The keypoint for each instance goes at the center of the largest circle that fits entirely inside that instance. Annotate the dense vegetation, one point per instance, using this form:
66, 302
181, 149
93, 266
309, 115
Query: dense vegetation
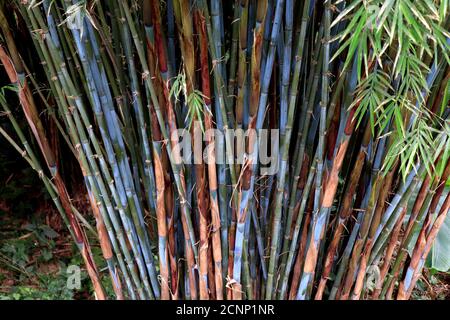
270, 149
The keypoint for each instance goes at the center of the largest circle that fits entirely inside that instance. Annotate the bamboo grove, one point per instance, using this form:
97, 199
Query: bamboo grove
357, 92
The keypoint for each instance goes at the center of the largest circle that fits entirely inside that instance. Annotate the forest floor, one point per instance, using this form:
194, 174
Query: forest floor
35, 246
34, 255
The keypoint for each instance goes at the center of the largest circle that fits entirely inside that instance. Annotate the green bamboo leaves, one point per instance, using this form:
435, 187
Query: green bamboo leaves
399, 35
374, 98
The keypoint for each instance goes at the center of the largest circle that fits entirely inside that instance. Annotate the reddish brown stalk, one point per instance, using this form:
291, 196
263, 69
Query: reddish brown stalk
390, 291
171, 229
345, 212
202, 203
404, 257
159, 43
388, 256
298, 267
381, 203
363, 266
332, 132
161, 175
29, 109
347, 284
301, 185
418, 204
333, 180
160, 209
362, 153
172, 125
331, 185
404, 293
231, 240
212, 174
171, 223
423, 193
432, 236
105, 246
185, 24
255, 71
185, 28
376, 206
32, 116
211, 275
440, 188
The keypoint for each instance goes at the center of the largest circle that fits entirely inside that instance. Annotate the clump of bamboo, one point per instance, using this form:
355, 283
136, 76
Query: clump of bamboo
357, 105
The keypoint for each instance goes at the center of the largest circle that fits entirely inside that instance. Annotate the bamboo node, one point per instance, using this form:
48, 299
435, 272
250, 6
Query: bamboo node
40, 33
145, 75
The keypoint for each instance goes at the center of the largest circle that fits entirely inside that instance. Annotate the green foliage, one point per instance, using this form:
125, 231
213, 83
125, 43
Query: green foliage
49, 288
373, 98
29, 260
196, 104
194, 100
398, 36
416, 147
